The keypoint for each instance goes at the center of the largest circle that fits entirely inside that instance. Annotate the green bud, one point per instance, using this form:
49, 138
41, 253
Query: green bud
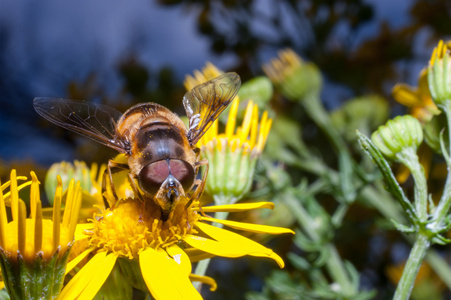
258, 89
295, 78
78, 171
433, 130
439, 74
398, 134
362, 113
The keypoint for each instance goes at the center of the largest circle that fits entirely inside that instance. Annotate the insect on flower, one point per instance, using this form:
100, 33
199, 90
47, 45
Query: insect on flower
163, 159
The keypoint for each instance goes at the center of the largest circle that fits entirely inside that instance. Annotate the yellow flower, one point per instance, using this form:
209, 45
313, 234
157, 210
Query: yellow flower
233, 154
439, 71
156, 255
418, 99
34, 251
210, 71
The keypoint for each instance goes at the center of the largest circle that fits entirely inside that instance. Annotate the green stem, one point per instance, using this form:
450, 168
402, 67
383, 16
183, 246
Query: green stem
409, 158
384, 203
316, 111
338, 272
302, 217
440, 266
412, 267
445, 202
334, 264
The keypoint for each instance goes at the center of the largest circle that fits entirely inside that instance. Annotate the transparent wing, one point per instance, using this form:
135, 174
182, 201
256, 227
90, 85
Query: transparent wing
95, 121
205, 102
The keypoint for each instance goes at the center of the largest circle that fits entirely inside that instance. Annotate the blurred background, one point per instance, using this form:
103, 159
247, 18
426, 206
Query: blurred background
122, 53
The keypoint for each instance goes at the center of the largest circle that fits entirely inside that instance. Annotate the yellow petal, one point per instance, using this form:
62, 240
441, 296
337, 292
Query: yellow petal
101, 274
423, 84
231, 121
250, 227
238, 207
165, 278
204, 279
406, 95
77, 260
180, 257
196, 255
229, 244
80, 230
402, 174
89, 273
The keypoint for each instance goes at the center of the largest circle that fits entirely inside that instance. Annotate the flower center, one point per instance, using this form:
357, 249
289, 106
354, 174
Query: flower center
130, 227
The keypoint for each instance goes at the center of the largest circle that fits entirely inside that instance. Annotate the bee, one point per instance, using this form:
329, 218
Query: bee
162, 157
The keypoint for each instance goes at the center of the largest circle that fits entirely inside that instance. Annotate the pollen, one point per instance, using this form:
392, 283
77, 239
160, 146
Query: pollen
131, 226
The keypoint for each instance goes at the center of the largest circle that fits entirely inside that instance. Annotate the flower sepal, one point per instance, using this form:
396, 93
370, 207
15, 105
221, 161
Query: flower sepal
403, 228
230, 172
132, 271
37, 279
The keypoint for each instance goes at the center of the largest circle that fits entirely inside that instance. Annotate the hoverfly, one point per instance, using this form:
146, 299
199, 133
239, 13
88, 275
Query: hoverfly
162, 157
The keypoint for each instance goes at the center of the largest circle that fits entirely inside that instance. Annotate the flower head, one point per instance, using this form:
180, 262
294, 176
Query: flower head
439, 71
34, 251
398, 134
90, 179
156, 255
67, 171
233, 154
295, 78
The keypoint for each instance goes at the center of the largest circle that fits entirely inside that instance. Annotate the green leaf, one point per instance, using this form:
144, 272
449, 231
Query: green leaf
392, 185
403, 228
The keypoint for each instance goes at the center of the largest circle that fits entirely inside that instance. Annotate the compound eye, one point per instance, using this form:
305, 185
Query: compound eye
153, 175
183, 172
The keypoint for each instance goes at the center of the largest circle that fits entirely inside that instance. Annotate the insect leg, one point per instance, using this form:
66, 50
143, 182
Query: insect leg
131, 179
113, 167
200, 188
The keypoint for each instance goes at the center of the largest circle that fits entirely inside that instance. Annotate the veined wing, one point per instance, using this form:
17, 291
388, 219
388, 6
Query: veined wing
205, 102
95, 121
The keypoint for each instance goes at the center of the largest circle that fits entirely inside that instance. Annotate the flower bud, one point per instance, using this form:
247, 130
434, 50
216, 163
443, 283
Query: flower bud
364, 113
295, 78
34, 251
232, 155
398, 134
433, 130
259, 89
439, 74
67, 171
